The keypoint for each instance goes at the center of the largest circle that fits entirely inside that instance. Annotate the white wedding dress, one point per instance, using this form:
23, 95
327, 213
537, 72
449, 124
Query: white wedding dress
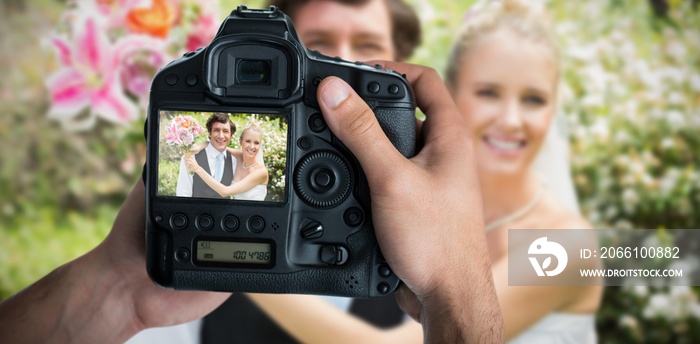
560, 328
552, 164
257, 193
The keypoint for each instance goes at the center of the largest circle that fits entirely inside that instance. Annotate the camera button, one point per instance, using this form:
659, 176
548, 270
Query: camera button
191, 79
322, 180
383, 288
311, 229
171, 79
316, 122
182, 255
393, 89
384, 270
373, 87
178, 221
305, 143
353, 217
205, 222
256, 224
317, 80
229, 223
334, 255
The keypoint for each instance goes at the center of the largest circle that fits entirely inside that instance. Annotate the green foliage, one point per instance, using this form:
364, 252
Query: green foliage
631, 85
45, 238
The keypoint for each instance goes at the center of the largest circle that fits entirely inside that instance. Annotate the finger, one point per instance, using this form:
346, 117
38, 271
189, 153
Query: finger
354, 123
408, 302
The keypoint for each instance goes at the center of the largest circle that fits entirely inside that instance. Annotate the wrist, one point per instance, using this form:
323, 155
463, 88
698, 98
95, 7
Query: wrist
462, 312
460, 304
77, 302
99, 307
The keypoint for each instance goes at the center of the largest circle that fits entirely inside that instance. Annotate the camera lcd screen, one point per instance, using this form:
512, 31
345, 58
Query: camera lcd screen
236, 156
234, 252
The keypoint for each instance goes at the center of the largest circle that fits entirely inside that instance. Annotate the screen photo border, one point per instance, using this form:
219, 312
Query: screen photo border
284, 114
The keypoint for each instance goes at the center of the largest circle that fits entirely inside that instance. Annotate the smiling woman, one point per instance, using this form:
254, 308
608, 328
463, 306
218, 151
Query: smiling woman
503, 74
514, 99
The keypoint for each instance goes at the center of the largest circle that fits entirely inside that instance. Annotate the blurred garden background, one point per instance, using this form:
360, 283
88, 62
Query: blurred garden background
631, 98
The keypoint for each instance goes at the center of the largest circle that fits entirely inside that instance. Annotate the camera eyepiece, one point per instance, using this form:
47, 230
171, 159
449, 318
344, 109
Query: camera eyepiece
253, 72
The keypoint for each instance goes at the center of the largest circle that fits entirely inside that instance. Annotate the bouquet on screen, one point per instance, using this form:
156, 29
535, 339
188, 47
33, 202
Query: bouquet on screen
182, 133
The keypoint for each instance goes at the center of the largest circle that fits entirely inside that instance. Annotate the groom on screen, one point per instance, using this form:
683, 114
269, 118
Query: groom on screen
214, 159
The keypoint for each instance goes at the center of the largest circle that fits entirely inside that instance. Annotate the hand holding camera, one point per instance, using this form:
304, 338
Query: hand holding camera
431, 240
314, 234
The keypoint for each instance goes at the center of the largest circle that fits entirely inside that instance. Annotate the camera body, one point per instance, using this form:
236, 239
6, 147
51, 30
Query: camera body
315, 234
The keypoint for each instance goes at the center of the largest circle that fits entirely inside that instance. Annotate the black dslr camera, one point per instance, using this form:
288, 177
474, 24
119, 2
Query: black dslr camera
308, 229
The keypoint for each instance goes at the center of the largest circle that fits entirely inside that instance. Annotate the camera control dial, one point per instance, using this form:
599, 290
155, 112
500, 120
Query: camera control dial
322, 179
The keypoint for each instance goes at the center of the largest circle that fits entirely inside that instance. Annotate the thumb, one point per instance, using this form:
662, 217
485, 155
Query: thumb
354, 123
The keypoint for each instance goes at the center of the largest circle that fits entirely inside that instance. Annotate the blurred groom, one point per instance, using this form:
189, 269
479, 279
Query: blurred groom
214, 159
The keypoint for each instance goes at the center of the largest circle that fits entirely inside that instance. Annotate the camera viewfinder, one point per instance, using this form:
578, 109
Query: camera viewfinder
252, 72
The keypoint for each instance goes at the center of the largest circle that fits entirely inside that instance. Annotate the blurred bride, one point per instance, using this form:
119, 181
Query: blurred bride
503, 74
250, 177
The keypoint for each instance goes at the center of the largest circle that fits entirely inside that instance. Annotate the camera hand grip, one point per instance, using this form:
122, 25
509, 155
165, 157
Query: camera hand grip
399, 125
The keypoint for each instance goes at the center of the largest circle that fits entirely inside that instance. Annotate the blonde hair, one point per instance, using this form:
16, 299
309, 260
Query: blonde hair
487, 16
251, 126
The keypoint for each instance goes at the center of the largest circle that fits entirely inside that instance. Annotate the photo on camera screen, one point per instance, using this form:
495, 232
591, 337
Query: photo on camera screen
244, 159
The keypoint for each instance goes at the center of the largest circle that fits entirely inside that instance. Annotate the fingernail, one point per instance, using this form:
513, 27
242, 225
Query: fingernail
335, 93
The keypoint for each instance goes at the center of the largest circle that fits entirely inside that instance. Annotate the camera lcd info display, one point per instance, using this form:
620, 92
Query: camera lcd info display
237, 156
235, 252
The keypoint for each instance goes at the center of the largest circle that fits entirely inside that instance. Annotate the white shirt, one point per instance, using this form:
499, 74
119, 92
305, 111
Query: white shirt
185, 180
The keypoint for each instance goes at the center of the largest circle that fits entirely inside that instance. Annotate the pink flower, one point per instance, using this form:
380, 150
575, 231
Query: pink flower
106, 67
113, 11
203, 31
89, 78
171, 135
186, 137
140, 60
182, 132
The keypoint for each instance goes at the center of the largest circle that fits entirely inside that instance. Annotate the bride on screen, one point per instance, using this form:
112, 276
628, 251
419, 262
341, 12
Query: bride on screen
250, 177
